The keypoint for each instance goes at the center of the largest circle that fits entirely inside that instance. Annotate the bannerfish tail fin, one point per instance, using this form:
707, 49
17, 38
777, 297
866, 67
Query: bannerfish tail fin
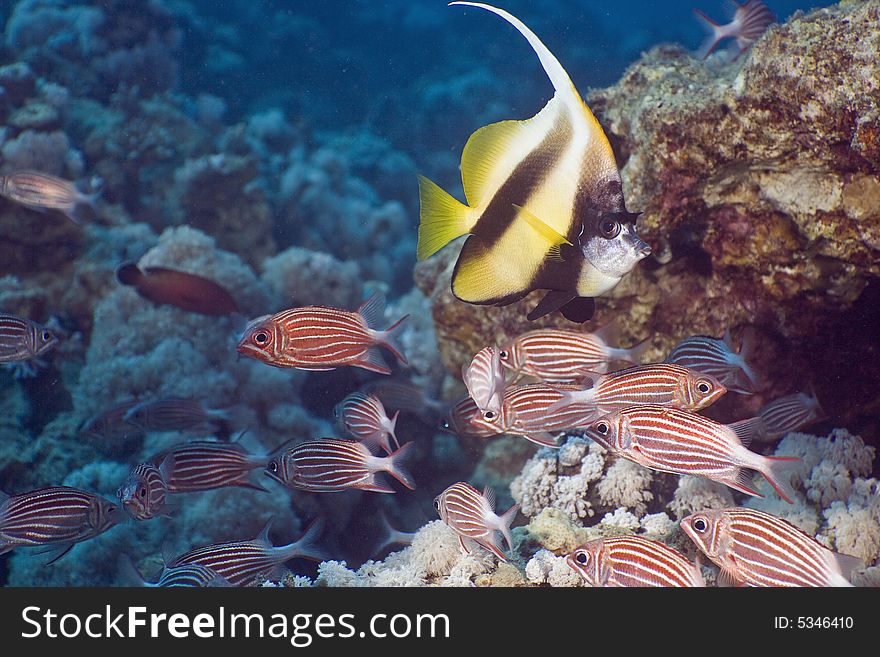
442, 218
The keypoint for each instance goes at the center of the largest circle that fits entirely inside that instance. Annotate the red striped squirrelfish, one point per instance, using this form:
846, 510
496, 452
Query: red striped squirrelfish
319, 338
472, 516
623, 561
525, 411
750, 20
190, 575
57, 515
789, 413
759, 549
484, 379
143, 495
566, 357
364, 418
329, 465
461, 421
718, 358
174, 414
41, 192
241, 562
205, 465
164, 286
23, 339
109, 424
661, 384
681, 442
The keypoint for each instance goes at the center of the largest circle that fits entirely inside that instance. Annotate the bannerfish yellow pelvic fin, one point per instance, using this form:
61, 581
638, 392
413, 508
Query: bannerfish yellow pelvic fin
545, 208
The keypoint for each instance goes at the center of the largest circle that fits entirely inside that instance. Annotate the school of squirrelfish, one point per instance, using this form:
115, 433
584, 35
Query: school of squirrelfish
544, 211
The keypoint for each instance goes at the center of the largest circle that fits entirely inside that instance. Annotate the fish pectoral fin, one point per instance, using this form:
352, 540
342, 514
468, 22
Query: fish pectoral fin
579, 310
552, 301
372, 360
442, 218
541, 227
545, 439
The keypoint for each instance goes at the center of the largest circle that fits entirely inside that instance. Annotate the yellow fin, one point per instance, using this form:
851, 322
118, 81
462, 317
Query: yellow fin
442, 218
549, 233
492, 153
485, 275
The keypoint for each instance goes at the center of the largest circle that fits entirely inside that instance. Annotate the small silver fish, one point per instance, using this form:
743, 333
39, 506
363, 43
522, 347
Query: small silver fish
41, 191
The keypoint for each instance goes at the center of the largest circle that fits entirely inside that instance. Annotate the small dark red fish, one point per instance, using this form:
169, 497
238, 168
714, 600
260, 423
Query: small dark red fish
750, 21
58, 515
240, 562
319, 338
472, 516
109, 425
177, 288
144, 494
205, 465
329, 465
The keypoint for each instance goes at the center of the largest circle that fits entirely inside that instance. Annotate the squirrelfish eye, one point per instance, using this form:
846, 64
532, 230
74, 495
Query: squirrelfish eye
609, 228
704, 387
699, 524
261, 337
45, 336
581, 557
490, 415
503, 354
437, 504
272, 467
602, 428
142, 492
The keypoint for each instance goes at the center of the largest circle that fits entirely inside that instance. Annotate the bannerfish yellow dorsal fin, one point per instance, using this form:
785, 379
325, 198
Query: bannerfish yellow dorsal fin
562, 84
547, 232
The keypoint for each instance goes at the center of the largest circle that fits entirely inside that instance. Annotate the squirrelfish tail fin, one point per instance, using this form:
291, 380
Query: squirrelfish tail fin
395, 466
442, 218
714, 34
307, 546
777, 471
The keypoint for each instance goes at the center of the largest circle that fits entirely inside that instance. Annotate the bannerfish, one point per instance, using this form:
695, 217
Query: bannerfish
41, 192
626, 561
756, 548
750, 21
171, 287
545, 207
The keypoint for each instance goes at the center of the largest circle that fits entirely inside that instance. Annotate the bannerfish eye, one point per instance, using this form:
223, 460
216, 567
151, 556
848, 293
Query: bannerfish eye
700, 525
581, 557
704, 387
261, 337
602, 428
609, 228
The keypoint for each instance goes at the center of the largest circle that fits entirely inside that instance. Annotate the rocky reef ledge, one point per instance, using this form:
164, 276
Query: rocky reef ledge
759, 181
